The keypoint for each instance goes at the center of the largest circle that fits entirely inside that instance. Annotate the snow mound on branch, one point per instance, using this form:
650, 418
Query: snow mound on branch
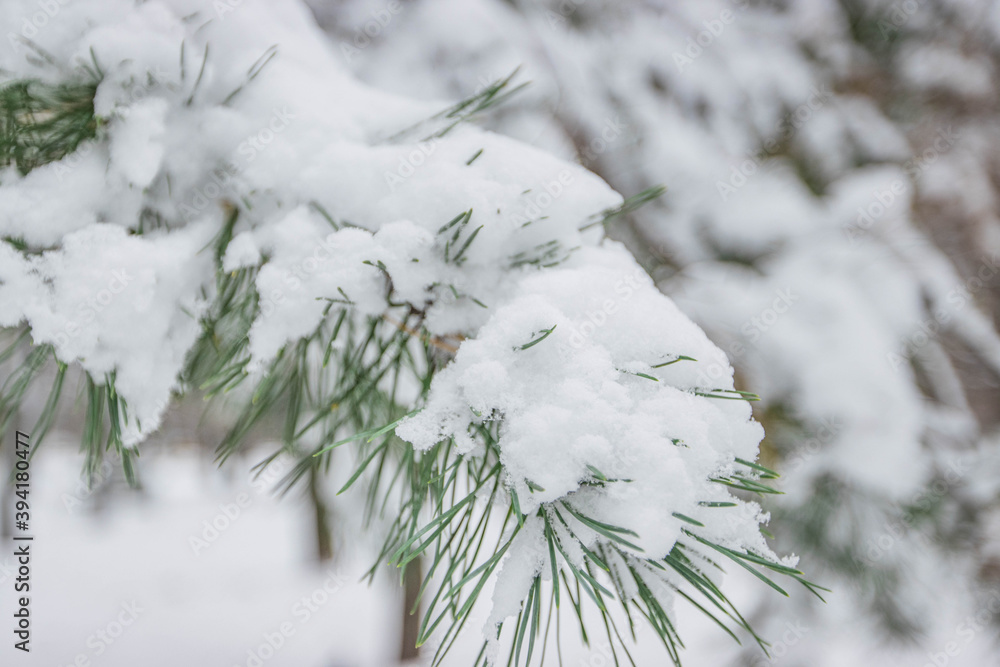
117, 303
574, 399
586, 398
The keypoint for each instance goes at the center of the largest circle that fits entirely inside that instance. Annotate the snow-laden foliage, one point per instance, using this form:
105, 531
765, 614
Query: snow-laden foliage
206, 200
830, 221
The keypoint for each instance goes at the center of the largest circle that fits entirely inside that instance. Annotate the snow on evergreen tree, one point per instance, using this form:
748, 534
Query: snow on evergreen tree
206, 200
830, 222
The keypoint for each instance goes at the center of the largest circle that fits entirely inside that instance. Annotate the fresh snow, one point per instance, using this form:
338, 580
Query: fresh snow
341, 191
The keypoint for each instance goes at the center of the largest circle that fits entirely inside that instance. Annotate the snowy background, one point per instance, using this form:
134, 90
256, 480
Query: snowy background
831, 221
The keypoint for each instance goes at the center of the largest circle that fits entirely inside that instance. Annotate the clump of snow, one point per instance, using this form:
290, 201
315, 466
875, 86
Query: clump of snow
573, 367
574, 399
116, 303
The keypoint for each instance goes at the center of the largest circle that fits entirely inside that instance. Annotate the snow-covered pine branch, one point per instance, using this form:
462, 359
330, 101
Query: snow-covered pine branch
193, 201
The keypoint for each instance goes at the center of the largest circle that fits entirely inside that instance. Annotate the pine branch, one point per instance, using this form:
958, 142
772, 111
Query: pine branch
41, 123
